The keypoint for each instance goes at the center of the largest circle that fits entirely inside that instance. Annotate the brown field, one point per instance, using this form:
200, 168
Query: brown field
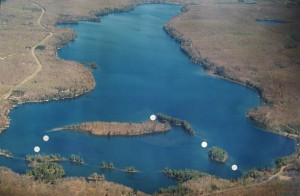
270, 182
228, 41
15, 184
117, 128
274, 189
223, 35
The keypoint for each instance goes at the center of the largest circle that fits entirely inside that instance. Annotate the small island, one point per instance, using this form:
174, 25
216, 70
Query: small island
34, 160
76, 159
104, 165
183, 175
118, 128
96, 177
218, 154
130, 170
6, 153
92, 65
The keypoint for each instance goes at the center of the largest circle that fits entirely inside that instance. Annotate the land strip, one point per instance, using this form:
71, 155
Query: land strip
118, 128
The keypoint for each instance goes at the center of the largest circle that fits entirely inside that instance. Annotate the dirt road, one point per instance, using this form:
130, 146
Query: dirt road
39, 65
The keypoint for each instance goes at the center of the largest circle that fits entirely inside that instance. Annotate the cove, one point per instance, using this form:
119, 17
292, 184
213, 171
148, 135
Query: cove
142, 71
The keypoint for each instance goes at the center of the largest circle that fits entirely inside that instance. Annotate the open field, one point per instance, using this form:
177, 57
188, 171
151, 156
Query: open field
274, 188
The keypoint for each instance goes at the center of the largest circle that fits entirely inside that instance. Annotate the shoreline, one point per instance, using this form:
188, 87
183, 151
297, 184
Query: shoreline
186, 48
7, 155
201, 62
71, 36
207, 70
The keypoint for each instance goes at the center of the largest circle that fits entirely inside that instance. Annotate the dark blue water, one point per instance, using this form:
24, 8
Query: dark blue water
142, 71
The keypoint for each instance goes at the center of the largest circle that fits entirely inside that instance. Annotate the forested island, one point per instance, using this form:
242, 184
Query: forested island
183, 175
105, 165
76, 159
218, 154
34, 160
130, 169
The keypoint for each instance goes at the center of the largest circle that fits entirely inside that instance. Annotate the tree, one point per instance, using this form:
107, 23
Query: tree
93, 65
47, 172
103, 164
40, 47
217, 154
76, 159
282, 161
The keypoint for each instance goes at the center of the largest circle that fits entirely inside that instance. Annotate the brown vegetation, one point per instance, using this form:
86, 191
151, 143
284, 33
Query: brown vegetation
117, 128
228, 41
207, 186
15, 184
255, 182
39, 74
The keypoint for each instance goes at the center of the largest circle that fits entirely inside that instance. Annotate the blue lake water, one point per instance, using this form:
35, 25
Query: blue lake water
142, 71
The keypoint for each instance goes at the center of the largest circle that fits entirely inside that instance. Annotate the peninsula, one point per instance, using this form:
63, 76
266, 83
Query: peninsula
6, 153
176, 122
118, 128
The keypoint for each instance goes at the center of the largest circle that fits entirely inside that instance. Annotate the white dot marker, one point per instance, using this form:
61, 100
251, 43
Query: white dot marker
153, 117
46, 138
234, 167
204, 144
36, 149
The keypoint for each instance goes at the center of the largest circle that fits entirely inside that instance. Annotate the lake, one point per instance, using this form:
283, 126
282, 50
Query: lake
142, 71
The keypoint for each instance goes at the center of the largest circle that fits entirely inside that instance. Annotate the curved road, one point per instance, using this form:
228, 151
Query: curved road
39, 65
